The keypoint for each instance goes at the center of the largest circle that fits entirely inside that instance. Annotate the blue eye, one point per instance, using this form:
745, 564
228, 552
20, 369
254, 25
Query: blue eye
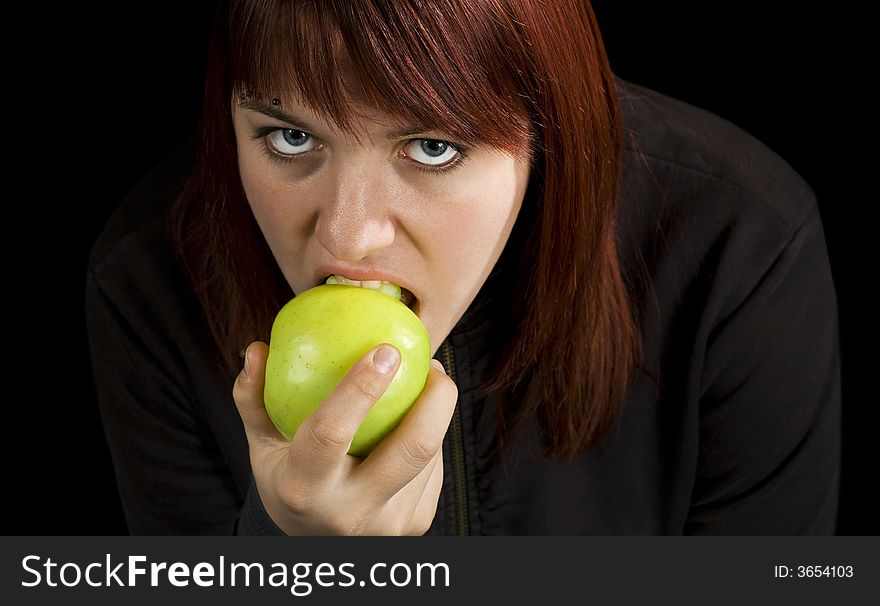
431, 152
290, 142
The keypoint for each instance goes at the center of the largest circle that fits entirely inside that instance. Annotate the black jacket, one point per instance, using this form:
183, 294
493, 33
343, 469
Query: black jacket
738, 434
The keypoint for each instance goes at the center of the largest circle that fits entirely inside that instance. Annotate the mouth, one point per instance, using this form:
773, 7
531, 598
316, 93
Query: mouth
387, 287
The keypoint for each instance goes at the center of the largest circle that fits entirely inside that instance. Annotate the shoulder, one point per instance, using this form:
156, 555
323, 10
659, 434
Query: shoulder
144, 210
132, 271
133, 246
690, 154
704, 207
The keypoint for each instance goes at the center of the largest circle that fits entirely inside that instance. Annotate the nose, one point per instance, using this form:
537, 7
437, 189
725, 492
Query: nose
357, 221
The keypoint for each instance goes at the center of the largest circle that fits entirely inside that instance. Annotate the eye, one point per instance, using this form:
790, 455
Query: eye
432, 152
290, 142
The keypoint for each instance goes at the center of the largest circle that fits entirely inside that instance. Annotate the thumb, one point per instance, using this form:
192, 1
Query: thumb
247, 391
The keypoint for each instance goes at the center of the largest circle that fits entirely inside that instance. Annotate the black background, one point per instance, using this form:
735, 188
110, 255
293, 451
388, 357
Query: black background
96, 96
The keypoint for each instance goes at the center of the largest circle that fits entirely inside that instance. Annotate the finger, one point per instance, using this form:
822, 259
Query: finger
407, 503
406, 498
247, 391
409, 496
426, 507
321, 443
407, 450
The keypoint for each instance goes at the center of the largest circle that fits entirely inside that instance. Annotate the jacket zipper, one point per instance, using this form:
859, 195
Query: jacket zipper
456, 446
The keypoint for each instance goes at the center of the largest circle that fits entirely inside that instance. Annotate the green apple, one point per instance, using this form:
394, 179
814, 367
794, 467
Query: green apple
320, 334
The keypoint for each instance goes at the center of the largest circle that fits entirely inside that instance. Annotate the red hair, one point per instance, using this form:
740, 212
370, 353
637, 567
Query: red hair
512, 74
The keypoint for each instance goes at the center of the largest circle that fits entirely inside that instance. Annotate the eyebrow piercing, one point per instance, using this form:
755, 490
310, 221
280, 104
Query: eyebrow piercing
247, 93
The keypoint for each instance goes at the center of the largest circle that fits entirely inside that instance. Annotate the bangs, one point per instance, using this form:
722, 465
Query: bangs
450, 67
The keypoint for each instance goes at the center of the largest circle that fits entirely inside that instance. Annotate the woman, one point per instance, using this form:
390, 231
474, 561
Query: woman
629, 298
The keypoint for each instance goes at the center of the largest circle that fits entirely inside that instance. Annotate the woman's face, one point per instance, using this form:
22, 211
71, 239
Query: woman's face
406, 204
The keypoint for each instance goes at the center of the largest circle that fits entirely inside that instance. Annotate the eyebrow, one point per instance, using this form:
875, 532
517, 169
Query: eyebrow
273, 111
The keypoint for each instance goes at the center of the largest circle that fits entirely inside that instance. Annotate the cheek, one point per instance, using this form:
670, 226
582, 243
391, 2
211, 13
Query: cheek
478, 223
280, 209
484, 207
475, 224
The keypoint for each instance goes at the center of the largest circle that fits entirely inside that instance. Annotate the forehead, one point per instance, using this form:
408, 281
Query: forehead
417, 69
363, 122
343, 106
356, 111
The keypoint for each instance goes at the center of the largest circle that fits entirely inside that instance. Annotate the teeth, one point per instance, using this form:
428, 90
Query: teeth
371, 284
334, 279
389, 288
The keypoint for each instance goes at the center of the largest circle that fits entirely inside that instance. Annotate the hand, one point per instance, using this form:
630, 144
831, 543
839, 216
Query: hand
311, 485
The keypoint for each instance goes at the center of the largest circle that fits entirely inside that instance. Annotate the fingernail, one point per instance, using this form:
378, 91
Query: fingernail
385, 360
247, 363
436, 364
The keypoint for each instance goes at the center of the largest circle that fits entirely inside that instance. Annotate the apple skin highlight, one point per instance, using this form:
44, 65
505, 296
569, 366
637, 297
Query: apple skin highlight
320, 334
